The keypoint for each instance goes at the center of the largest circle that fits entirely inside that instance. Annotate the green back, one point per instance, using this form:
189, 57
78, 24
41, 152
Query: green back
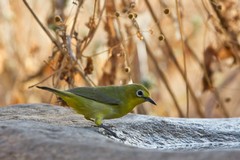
107, 95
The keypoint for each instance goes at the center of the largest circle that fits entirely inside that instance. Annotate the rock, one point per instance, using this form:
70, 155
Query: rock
41, 131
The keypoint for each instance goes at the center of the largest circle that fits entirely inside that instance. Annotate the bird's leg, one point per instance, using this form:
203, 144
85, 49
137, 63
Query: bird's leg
107, 129
103, 126
98, 122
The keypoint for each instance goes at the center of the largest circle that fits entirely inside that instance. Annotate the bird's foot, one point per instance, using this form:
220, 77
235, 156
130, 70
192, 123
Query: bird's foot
108, 130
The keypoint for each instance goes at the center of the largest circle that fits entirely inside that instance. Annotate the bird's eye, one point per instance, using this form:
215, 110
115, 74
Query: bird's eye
139, 93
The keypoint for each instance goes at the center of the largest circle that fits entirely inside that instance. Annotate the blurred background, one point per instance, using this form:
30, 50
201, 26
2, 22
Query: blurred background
185, 52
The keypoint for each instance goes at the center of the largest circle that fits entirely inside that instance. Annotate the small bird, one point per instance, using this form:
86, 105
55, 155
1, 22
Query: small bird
103, 102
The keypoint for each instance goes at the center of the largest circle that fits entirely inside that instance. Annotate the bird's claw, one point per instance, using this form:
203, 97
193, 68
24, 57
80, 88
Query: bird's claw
108, 130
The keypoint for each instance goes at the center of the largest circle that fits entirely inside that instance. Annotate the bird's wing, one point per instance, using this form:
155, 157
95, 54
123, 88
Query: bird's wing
102, 94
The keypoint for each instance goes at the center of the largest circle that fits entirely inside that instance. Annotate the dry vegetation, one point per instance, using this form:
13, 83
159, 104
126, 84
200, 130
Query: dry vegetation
186, 52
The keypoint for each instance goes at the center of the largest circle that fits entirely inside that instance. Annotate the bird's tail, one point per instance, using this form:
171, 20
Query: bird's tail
53, 90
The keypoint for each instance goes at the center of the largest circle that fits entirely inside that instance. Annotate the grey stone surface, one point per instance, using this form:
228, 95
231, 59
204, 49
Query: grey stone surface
41, 131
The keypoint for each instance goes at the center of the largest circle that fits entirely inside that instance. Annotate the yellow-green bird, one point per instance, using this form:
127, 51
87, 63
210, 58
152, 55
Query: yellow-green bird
103, 102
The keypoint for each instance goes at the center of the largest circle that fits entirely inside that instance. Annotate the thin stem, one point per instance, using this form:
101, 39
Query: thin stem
42, 26
184, 53
75, 17
92, 32
174, 59
163, 77
44, 79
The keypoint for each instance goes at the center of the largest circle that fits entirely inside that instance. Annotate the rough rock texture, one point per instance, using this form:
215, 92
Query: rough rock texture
40, 131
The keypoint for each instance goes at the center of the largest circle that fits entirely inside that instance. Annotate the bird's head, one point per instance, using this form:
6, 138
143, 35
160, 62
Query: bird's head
139, 94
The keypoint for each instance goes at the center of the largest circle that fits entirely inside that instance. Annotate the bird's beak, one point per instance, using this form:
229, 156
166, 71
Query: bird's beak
150, 100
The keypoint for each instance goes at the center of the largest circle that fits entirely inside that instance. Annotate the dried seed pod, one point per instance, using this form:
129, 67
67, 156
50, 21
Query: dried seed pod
135, 15
161, 37
228, 99
131, 16
166, 11
89, 67
58, 19
132, 5
62, 75
117, 14
139, 35
127, 69
60, 24
219, 7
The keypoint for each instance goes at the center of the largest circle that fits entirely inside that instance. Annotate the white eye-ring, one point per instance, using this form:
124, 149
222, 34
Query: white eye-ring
139, 93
